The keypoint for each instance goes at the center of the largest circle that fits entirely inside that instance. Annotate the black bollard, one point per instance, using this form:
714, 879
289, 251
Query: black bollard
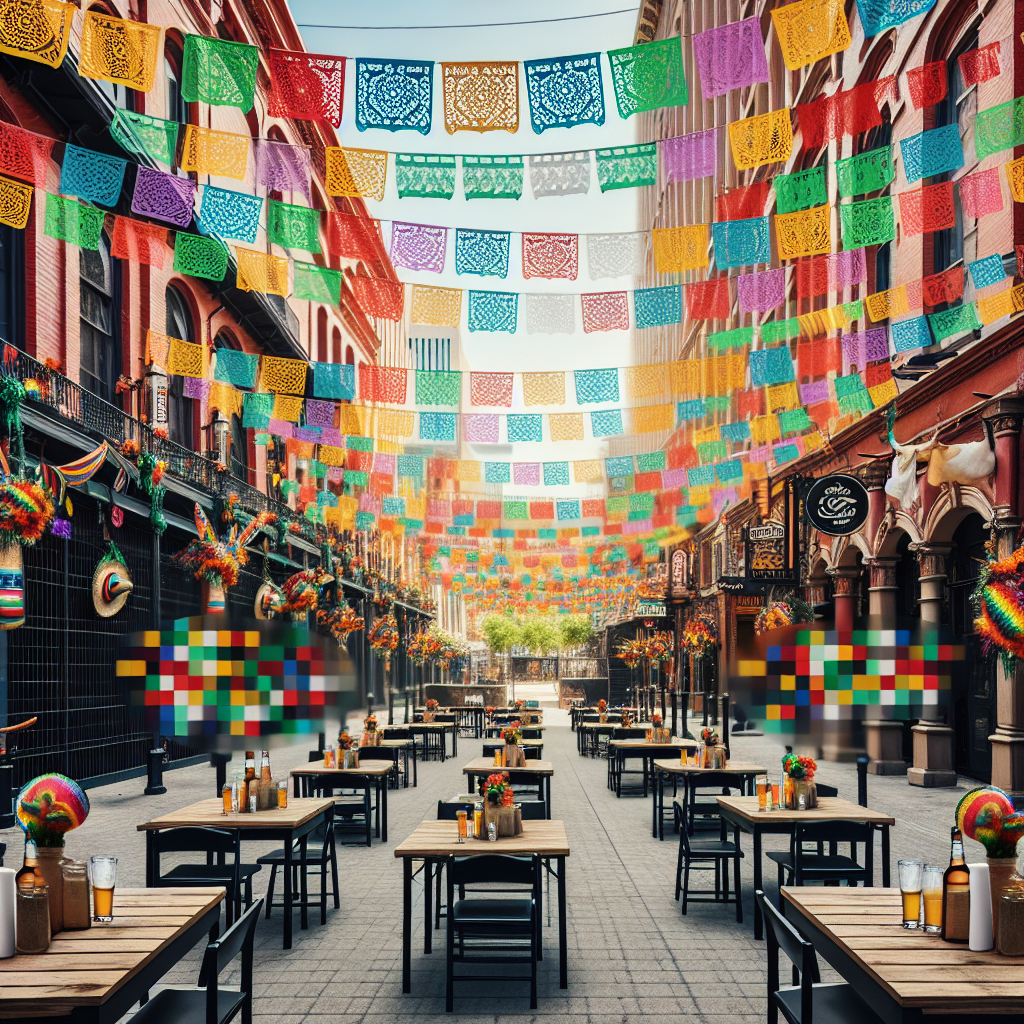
862, 780
6, 795
156, 773
723, 703
220, 763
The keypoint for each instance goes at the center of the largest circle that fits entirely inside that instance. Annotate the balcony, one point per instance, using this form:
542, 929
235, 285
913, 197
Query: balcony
63, 401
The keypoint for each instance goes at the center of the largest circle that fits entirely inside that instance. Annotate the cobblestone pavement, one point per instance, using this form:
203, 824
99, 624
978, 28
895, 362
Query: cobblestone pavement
632, 955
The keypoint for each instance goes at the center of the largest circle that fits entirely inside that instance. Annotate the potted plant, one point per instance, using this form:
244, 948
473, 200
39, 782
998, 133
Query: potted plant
602, 711
347, 756
430, 711
658, 733
801, 792
708, 753
498, 805
513, 737
371, 737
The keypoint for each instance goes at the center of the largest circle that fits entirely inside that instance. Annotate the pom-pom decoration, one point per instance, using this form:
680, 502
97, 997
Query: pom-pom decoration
999, 602
987, 815
49, 806
384, 636
219, 561
26, 509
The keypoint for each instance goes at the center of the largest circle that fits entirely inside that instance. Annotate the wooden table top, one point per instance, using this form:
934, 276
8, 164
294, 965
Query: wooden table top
440, 838
374, 768
394, 743
641, 744
210, 814
423, 725
917, 969
85, 968
523, 743
733, 767
830, 808
486, 764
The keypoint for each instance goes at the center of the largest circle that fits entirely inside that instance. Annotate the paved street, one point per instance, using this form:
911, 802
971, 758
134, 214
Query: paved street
631, 953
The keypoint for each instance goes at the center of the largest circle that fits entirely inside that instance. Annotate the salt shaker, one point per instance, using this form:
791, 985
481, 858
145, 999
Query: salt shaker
492, 831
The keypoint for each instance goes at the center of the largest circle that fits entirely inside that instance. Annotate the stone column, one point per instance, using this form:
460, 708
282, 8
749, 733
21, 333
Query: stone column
845, 593
1004, 417
885, 747
933, 740
874, 477
883, 589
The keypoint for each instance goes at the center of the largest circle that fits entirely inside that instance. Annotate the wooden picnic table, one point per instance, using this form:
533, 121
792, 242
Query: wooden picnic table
97, 975
481, 767
906, 977
369, 774
742, 811
434, 842
427, 729
691, 773
286, 825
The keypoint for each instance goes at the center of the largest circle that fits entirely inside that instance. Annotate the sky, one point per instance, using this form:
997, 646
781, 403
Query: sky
592, 212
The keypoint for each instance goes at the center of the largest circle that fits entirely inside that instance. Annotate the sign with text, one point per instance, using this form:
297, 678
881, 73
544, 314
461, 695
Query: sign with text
837, 505
766, 551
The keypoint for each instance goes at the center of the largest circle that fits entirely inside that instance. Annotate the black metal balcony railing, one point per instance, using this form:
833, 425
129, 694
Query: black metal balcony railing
72, 402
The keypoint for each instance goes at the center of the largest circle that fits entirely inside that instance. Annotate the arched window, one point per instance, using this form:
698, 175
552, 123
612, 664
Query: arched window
12, 286
241, 463
321, 335
100, 362
177, 108
181, 411
350, 356
336, 346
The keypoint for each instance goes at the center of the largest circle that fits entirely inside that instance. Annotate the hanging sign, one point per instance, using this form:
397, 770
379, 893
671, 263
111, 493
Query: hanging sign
653, 609
678, 573
766, 551
837, 505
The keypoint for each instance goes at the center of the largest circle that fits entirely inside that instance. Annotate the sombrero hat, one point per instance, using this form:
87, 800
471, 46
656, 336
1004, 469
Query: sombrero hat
111, 585
269, 601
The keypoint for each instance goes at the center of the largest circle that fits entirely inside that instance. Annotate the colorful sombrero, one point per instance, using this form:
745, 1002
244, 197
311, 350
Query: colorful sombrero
111, 585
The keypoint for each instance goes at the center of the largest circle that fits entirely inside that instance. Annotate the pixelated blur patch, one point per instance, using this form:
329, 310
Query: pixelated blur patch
219, 687
793, 679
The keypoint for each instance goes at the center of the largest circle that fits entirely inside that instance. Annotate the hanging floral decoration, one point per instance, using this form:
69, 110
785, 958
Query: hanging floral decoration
700, 636
26, 509
786, 611
217, 561
151, 472
339, 621
659, 646
631, 652
302, 590
384, 636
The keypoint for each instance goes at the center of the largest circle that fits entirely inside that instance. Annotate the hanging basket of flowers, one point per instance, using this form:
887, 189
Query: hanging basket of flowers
659, 646
788, 610
384, 637
631, 652
700, 636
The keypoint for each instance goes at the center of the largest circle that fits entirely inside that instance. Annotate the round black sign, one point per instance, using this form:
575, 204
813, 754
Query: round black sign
837, 505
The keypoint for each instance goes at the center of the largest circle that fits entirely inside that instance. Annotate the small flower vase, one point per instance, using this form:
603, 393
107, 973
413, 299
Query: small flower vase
806, 789
511, 755
1000, 869
350, 759
50, 860
602, 717
504, 818
428, 716
716, 757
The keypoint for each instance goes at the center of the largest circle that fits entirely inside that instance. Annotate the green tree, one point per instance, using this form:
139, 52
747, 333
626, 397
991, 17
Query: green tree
501, 633
540, 636
576, 631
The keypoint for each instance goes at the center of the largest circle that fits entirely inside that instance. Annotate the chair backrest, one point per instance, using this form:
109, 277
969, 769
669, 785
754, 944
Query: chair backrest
826, 790
316, 755
715, 780
191, 840
378, 753
448, 810
782, 935
666, 751
532, 734
394, 732
832, 832
237, 939
533, 810
621, 733
532, 753
444, 718
493, 868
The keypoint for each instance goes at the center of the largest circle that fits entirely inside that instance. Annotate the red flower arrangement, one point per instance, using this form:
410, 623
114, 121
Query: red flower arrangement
130, 448
602, 705
344, 741
432, 705
384, 636
498, 791
512, 733
799, 767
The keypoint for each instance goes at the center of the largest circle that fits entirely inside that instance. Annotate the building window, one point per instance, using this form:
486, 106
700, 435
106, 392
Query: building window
431, 353
336, 346
321, 335
240, 464
12, 286
177, 108
181, 410
100, 352
960, 107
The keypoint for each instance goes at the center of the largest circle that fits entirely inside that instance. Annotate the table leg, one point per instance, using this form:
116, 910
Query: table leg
758, 884
406, 923
303, 886
376, 809
455, 741
547, 790
384, 813
295, 786
415, 766
428, 902
886, 879
563, 944
656, 790
289, 896
150, 867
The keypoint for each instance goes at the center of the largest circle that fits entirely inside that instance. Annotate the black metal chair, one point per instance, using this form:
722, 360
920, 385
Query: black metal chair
801, 865
215, 843
385, 754
492, 930
705, 855
353, 810
209, 1003
323, 859
532, 734
721, 783
807, 1000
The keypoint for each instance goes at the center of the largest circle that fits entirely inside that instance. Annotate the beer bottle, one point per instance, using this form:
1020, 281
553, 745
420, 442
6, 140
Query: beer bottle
29, 876
956, 888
